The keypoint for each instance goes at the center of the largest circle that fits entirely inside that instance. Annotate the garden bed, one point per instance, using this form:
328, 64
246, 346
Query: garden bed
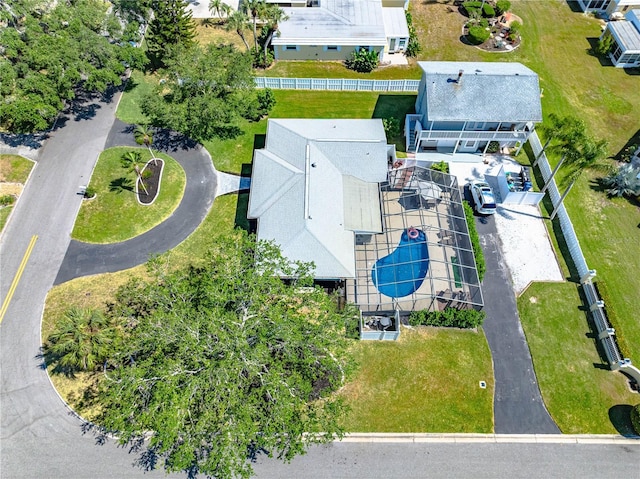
151, 178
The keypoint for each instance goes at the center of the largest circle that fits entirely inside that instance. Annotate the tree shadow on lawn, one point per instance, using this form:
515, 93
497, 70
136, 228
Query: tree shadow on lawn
593, 51
398, 106
620, 417
121, 184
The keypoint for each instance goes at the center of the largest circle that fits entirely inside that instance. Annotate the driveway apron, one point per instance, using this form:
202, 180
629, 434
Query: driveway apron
517, 403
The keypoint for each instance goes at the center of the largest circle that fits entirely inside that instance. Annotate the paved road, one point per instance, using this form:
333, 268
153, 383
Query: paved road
33, 420
517, 404
84, 259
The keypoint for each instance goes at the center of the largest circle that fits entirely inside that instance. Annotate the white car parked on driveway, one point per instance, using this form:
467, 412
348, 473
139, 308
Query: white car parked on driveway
483, 198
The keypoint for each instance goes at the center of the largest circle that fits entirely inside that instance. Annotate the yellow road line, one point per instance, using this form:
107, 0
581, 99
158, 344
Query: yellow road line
16, 278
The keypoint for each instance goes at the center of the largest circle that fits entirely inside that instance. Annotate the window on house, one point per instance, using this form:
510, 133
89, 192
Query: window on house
616, 52
290, 47
363, 48
332, 48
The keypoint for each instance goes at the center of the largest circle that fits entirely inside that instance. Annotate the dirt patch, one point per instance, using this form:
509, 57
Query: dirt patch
11, 189
152, 175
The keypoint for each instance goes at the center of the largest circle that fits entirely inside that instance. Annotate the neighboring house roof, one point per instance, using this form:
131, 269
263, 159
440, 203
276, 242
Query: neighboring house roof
626, 32
310, 193
487, 92
334, 22
395, 22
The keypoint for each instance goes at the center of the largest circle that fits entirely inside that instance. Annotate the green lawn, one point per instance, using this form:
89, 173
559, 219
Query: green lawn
580, 392
14, 168
138, 85
230, 155
428, 381
115, 215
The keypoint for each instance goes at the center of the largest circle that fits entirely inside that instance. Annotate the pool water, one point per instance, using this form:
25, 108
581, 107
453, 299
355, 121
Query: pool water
403, 271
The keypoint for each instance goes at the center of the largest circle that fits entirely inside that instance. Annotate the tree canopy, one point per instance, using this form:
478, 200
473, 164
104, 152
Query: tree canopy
205, 93
171, 28
48, 52
225, 359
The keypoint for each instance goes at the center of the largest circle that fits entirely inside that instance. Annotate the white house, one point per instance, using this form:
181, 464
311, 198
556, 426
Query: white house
625, 51
608, 7
332, 29
315, 185
464, 106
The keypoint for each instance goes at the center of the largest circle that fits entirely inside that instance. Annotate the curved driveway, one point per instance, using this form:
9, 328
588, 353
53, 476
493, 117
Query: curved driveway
84, 259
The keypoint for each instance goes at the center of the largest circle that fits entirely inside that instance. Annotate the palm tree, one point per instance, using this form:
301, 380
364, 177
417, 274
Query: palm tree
588, 154
255, 8
273, 15
238, 21
215, 6
132, 160
81, 341
565, 129
144, 135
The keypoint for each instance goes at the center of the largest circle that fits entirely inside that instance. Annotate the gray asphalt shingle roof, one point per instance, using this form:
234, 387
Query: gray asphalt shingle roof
487, 92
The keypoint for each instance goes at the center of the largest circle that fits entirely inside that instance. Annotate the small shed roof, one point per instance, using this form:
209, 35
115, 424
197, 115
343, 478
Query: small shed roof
309, 189
334, 22
626, 34
486, 92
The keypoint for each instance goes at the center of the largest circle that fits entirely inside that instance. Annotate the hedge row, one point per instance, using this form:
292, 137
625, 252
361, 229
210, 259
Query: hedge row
450, 317
475, 241
612, 316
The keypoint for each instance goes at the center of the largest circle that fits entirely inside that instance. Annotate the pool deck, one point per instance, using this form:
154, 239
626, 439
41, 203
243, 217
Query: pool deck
404, 209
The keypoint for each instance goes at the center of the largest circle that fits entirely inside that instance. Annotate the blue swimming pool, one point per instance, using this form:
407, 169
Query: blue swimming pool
402, 272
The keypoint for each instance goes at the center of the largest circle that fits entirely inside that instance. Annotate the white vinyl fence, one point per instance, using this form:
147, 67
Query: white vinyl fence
606, 334
337, 84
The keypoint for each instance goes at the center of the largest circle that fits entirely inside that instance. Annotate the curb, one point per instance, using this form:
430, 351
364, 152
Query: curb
491, 438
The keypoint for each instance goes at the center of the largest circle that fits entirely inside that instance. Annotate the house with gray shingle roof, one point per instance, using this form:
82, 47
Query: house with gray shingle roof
315, 186
625, 49
462, 107
332, 29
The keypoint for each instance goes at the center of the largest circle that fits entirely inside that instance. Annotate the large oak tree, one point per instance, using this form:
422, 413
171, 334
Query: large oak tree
224, 360
48, 51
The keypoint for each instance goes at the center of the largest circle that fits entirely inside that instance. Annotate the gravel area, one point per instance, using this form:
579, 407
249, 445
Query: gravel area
526, 247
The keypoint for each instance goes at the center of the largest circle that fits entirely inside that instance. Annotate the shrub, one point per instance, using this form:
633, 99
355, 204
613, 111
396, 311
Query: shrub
628, 152
6, 200
514, 28
475, 241
624, 182
89, 192
635, 418
363, 61
472, 7
391, 127
478, 34
450, 318
413, 47
440, 166
262, 59
266, 101
488, 11
502, 6
493, 147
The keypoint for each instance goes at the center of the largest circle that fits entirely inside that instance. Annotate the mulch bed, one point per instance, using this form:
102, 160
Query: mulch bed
152, 183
